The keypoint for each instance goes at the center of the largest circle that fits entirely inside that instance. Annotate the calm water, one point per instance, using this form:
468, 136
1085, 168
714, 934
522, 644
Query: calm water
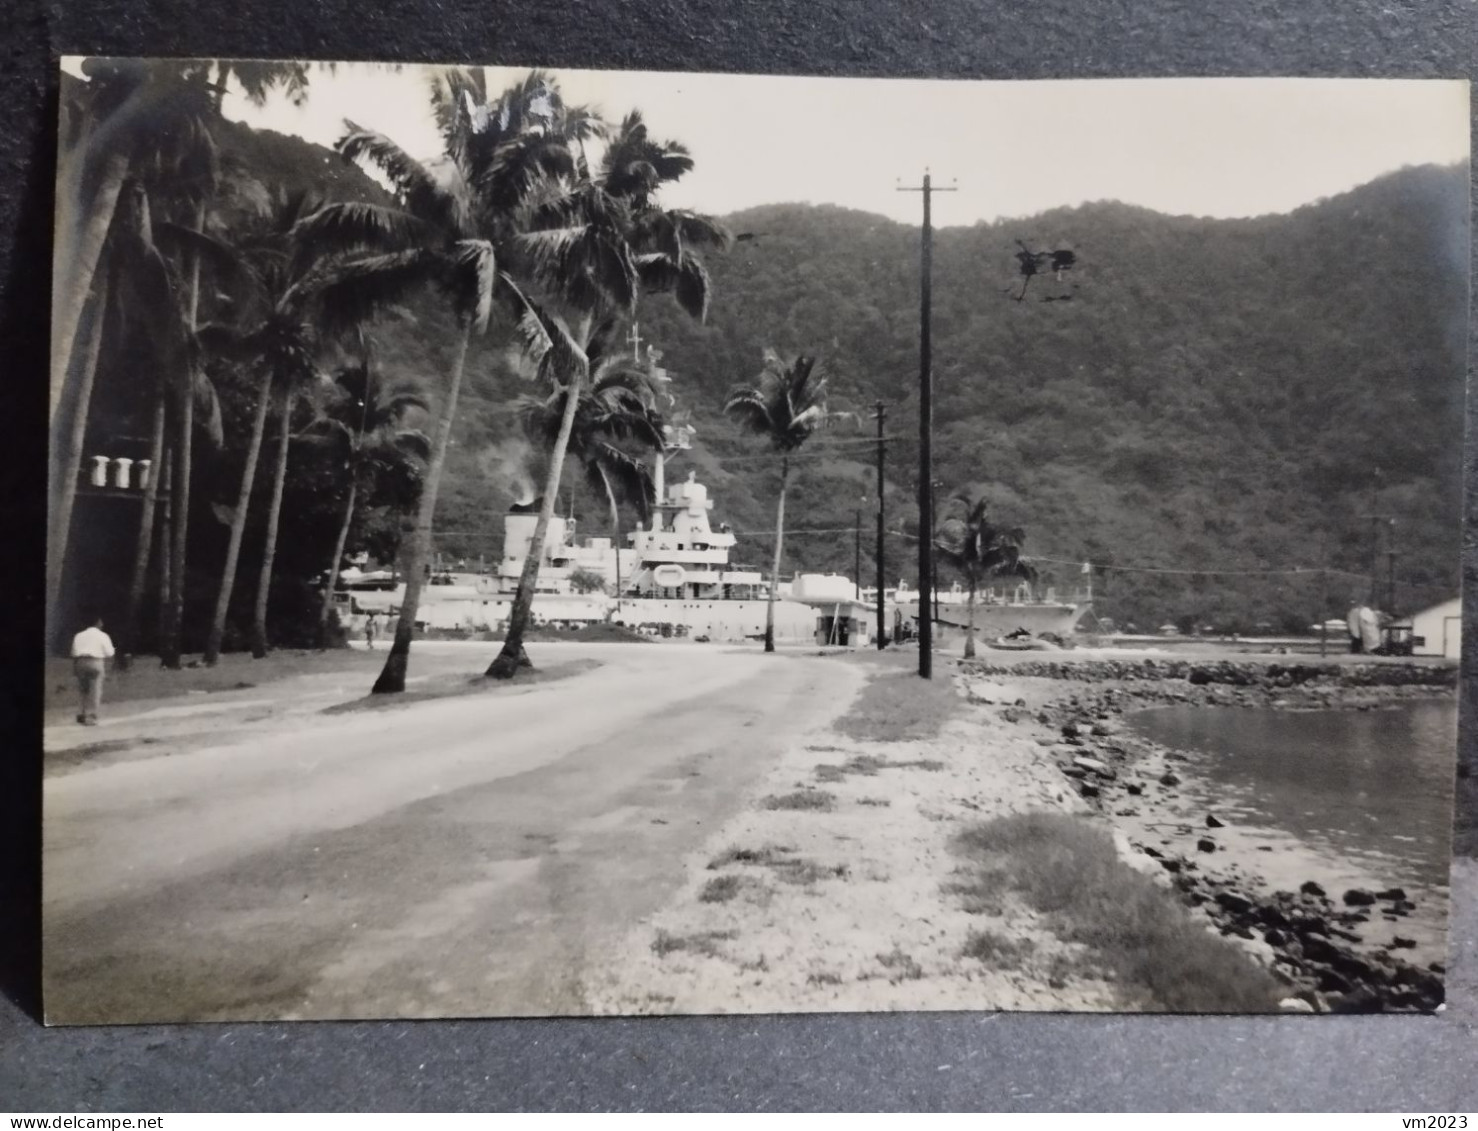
1371, 786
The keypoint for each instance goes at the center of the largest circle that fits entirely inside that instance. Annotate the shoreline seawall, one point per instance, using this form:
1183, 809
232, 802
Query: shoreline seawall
1340, 938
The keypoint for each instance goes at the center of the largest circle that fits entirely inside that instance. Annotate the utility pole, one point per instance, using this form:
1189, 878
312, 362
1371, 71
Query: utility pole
933, 533
882, 627
926, 427
857, 549
1323, 596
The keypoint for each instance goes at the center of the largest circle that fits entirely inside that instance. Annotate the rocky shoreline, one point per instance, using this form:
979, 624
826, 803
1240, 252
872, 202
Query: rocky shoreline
1340, 951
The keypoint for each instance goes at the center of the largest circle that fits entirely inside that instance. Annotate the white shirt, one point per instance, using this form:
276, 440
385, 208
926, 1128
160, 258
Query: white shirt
92, 643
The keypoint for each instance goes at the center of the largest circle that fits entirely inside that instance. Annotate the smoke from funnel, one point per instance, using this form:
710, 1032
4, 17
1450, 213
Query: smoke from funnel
507, 464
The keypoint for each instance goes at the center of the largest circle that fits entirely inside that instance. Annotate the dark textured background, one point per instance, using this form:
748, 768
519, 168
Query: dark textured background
920, 1061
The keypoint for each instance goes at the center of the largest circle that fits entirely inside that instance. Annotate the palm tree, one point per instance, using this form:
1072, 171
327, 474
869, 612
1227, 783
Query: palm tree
786, 406
128, 118
599, 238
620, 407
276, 339
977, 548
366, 423
293, 384
450, 219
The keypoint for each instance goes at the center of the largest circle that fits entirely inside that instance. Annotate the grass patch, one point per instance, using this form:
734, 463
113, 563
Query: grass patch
900, 966
458, 685
787, 866
863, 765
770, 854
900, 707
817, 800
874, 802
996, 950
721, 889
868, 765
1138, 933
823, 978
984, 894
705, 943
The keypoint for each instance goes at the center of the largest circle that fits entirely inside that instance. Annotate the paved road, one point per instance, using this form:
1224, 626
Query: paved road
469, 856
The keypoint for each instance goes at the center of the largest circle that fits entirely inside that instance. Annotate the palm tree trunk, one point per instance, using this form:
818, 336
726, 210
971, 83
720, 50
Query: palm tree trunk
970, 621
512, 657
66, 475
333, 569
238, 522
166, 557
392, 676
775, 569
174, 622
144, 543
79, 251
269, 547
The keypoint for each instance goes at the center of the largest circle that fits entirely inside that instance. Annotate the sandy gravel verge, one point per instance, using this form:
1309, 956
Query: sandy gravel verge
843, 902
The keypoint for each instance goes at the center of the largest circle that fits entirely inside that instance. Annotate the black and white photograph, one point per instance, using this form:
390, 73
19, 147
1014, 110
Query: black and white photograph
562, 542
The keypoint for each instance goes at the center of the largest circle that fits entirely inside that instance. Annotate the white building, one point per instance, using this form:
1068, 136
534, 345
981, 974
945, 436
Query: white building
1438, 631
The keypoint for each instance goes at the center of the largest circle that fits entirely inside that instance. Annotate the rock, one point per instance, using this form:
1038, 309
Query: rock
1169, 779
1359, 897
1087, 790
1331, 982
1213, 823
1093, 765
1265, 848
1296, 1005
1274, 937
1069, 730
1206, 844
1046, 742
1098, 731
1395, 894
1170, 865
1311, 888
1403, 943
1153, 852
1135, 788
1234, 901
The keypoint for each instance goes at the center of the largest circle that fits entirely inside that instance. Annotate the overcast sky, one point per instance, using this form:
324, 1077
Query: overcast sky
1213, 147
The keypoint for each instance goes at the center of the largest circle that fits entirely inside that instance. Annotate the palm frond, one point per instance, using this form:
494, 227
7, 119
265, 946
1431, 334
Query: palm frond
352, 293
427, 195
474, 274
749, 409
352, 226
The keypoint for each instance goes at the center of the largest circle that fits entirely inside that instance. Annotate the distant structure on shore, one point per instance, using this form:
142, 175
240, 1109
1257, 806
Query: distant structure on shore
1437, 631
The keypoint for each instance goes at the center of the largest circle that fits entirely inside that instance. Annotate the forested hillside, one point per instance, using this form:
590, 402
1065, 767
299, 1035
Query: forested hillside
1194, 395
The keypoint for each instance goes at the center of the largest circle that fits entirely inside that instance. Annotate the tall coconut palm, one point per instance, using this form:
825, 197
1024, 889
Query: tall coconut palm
599, 239
451, 218
274, 337
620, 407
124, 118
288, 394
366, 425
977, 548
786, 406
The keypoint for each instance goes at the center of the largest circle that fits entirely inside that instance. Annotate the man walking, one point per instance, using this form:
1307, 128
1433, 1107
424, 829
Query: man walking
92, 648
371, 627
